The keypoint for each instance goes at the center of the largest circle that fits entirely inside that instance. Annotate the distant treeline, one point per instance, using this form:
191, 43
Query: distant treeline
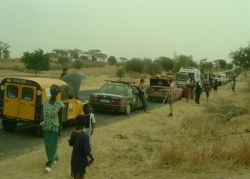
75, 58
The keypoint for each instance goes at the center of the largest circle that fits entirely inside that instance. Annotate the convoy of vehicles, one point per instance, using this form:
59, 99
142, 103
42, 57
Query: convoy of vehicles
21, 100
116, 96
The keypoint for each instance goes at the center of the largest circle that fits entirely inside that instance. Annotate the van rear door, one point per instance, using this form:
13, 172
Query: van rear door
11, 100
27, 102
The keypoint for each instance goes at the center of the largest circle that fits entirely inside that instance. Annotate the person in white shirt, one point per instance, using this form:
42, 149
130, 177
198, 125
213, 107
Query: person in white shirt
171, 97
89, 120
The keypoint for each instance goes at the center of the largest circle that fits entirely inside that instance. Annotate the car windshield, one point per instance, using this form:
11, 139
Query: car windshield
114, 89
191, 75
182, 76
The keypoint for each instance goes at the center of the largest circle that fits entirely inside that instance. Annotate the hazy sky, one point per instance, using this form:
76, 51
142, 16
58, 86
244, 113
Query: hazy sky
129, 28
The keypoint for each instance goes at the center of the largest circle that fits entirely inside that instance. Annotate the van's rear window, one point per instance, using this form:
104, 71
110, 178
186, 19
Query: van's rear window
12, 91
27, 94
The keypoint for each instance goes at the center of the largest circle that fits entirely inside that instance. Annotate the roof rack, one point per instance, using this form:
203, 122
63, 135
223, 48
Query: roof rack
123, 82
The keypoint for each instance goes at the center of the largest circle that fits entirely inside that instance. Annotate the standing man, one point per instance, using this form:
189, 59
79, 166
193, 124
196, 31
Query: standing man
171, 97
142, 94
192, 85
197, 93
65, 71
233, 83
215, 85
207, 89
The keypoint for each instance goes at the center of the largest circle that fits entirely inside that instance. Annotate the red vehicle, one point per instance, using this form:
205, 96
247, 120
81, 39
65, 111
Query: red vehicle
159, 87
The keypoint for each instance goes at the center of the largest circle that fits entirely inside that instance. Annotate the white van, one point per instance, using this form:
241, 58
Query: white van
193, 73
221, 78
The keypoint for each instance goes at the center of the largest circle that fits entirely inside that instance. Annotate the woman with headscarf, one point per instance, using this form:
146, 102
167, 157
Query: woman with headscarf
51, 125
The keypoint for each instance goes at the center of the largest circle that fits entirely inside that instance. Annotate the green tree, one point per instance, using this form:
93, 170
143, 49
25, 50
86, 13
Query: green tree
37, 60
74, 53
121, 72
152, 67
220, 64
95, 54
94, 59
230, 66
4, 50
64, 61
134, 65
112, 60
184, 61
205, 65
60, 53
123, 60
84, 57
6, 54
166, 63
241, 57
77, 64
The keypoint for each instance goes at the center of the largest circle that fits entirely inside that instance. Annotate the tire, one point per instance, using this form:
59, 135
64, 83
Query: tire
9, 126
128, 109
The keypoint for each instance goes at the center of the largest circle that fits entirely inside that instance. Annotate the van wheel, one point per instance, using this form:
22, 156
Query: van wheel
9, 126
128, 109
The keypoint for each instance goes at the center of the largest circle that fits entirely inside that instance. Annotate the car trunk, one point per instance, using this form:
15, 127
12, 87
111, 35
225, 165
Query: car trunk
107, 98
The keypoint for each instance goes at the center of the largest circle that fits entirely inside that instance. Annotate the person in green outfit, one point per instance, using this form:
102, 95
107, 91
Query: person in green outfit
51, 126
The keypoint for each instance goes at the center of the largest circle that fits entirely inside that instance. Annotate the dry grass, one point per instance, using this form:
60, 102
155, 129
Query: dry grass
206, 139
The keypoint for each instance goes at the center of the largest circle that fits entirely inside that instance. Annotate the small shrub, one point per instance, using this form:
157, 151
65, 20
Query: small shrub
77, 64
120, 73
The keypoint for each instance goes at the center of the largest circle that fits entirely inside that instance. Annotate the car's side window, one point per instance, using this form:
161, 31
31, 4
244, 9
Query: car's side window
130, 91
135, 90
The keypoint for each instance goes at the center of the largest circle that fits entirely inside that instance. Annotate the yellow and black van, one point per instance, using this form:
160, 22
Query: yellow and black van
21, 100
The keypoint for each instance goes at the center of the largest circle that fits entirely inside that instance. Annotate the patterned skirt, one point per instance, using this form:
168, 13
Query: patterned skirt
50, 143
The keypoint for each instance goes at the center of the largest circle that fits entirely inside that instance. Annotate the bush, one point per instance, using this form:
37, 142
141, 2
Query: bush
152, 68
112, 60
134, 65
37, 60
77, 64
120, 73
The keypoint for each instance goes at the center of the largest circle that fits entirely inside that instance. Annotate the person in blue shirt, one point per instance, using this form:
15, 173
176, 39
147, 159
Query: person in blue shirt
81, 154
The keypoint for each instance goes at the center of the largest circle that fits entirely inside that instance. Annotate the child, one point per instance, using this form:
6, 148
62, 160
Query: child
207, 88
81, 150
186, 92
89, 121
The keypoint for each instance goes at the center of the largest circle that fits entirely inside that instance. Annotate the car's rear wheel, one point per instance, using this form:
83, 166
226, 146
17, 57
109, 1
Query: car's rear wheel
128, 109
8, 125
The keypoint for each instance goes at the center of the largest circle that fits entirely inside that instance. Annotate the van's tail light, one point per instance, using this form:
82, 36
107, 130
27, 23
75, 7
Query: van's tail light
116, 101
93, 98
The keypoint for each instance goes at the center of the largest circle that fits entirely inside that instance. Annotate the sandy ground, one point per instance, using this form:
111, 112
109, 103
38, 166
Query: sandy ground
134, 148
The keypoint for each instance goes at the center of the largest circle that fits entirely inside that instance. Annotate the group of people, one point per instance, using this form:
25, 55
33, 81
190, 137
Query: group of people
80, 139
192, 90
